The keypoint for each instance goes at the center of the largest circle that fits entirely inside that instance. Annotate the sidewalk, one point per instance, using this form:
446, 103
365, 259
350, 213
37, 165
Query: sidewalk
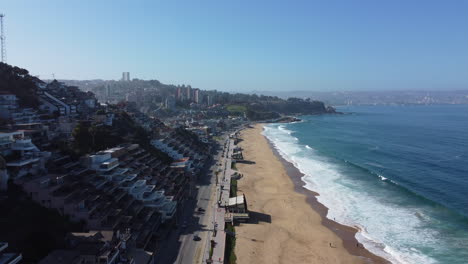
218, 234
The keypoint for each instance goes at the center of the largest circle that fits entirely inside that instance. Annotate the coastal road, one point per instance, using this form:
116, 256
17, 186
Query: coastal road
180, 247
199, 225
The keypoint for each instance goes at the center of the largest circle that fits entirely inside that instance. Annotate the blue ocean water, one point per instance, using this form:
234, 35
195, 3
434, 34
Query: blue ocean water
398, 173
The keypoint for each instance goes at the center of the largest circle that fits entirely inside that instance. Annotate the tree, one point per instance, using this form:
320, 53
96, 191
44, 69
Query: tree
17, 81
82, 138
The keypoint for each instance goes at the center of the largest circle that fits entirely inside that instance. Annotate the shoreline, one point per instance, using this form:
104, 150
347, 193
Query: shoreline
346, 233
288, 224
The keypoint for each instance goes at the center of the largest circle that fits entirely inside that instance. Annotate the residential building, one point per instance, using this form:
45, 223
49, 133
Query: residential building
179, 145
209, 100
113, 165
179, 94
166, 147
8, 258
27, 158
188, 93
57, 98
24, 116
8, 105
125, 76
7, 139
136, 196
196, 95
93, 247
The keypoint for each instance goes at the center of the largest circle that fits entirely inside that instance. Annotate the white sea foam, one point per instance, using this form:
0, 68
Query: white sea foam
283, 128
386, 229
382, 178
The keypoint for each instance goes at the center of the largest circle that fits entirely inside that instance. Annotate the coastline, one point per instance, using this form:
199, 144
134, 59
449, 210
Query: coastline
298, 230
346, 233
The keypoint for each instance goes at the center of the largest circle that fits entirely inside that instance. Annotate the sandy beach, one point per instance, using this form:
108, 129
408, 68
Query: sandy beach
285, 226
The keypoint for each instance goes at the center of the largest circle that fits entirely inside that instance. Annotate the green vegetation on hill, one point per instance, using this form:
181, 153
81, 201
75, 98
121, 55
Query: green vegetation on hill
257, 115
143, 138
236, 109
262, 107
299, 106
17, 81
89, 138
195, 139
126, 128
262, 103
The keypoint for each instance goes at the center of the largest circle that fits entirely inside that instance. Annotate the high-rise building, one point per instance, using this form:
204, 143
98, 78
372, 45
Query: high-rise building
125, 76
179, 94
196, 95
188, 92
209, 100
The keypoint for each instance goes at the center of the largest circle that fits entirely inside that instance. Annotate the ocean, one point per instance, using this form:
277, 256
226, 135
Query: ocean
397, 173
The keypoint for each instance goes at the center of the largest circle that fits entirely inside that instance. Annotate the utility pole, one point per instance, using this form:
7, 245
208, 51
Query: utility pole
2, 39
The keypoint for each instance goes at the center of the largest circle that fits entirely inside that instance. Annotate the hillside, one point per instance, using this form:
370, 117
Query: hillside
273, 107
253, 106
17, 81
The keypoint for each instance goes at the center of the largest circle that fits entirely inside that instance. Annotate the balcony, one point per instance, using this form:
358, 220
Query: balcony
128, 184
23, 145
109, 165
22, 162
10, 258
169, 210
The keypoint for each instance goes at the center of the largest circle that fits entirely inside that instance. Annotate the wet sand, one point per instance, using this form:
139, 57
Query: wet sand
287, 225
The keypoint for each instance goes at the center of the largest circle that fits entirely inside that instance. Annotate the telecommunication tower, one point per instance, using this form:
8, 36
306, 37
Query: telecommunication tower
2, 38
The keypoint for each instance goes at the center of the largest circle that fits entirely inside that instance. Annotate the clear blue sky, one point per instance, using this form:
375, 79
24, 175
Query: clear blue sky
246, 45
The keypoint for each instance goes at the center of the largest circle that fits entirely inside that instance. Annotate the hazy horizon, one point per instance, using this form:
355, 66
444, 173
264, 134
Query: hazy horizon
278, 91
244, 47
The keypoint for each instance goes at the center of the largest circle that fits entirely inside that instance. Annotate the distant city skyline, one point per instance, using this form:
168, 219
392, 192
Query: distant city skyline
244, 46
